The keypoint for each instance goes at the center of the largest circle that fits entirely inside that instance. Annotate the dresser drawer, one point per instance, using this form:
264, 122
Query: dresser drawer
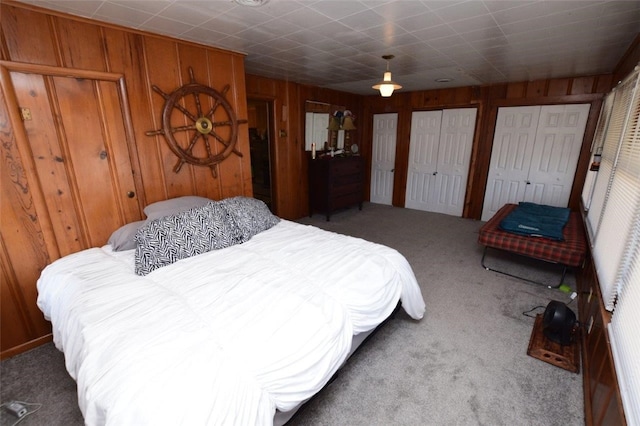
335, 183
348, 188
345, 200
347, 168
346, 180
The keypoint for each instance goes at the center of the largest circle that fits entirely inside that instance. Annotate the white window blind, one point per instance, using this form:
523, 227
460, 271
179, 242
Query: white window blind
614, 215
590, 180
621, 190
624, 336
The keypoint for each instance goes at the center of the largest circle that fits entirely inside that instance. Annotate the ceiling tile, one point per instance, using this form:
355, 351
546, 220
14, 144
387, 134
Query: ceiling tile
153, 7
163, 25
123, 15
462, 10
339, 44
84, 8
186, 12
337, 9
362, 20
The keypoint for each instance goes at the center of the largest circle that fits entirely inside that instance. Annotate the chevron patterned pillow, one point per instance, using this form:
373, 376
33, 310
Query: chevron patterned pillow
168, 239
251, 215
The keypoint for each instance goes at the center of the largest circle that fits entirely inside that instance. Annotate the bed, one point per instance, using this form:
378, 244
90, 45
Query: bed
564, 245
238, 334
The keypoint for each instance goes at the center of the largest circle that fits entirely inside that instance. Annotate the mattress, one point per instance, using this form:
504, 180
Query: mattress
233, 334
570, 252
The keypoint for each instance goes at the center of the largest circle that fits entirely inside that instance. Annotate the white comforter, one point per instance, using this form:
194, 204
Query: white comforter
221, 338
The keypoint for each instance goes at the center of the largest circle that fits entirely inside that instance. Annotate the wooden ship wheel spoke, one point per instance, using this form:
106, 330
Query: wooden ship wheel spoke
204, 131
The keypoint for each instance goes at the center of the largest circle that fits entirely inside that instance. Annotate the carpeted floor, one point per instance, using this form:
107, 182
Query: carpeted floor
464, 363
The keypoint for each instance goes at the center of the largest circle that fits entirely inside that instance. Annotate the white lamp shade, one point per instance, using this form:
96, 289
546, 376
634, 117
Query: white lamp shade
386, 86
386, 90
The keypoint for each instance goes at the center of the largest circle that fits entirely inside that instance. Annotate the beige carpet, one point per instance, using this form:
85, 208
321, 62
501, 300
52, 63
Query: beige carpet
465, 363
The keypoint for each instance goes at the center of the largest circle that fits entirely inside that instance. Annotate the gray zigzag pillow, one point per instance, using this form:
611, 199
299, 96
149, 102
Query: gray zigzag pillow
168, 239
251, 215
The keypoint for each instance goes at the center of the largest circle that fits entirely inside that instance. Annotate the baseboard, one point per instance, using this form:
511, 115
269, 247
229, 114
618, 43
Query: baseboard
26, 346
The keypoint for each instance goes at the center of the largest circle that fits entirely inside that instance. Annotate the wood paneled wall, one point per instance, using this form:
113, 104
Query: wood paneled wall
46, 210
602, 402
487, 99
629, 61
44, 38
290, 160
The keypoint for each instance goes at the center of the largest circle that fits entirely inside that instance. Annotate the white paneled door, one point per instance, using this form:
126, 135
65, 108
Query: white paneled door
511, 154
439, 155
534, 156
383, 158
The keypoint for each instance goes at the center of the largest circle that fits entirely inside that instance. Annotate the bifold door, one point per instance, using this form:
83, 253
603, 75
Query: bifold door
439, 156
534, 156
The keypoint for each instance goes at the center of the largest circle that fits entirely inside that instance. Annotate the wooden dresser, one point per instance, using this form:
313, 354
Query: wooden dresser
335, 183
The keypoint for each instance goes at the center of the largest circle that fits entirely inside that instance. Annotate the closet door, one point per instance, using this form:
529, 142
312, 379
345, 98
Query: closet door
423, 159
534, 155
555, 155
510, 157
385, 130
454, 156
439, 155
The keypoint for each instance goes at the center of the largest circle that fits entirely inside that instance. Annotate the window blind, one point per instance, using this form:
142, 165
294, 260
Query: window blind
620, 189
625, 337
615, 218
598, 142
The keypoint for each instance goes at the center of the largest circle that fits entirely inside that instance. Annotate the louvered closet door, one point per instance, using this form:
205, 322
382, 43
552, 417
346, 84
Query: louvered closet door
534, 155
439, 155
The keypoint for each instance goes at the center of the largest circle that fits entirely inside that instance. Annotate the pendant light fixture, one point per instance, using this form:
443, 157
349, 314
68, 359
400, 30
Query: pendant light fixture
387, 86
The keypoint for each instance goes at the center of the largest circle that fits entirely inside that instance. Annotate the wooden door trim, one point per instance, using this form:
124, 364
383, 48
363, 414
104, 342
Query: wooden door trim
547, 100
60, 71
273, 158
22, 144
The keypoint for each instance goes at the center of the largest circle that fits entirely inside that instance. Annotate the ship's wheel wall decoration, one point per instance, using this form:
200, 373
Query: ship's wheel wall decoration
199, 125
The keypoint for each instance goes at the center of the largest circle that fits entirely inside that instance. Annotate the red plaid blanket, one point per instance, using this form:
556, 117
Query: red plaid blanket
570, 252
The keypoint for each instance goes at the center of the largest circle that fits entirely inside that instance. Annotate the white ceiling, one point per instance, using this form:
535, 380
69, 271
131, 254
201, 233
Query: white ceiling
339, 43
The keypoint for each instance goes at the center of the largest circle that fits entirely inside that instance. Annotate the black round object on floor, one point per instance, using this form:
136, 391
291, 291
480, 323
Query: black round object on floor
559, 323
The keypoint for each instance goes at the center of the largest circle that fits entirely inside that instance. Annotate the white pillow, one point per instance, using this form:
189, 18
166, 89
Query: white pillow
174, 205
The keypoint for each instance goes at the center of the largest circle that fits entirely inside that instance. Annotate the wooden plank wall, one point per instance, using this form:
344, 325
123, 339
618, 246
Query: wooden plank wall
36, 36
52, 41
289, 158
487, 99
289, 101
602, 401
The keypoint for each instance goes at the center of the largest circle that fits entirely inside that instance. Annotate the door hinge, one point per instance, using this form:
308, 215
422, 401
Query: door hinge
25, 113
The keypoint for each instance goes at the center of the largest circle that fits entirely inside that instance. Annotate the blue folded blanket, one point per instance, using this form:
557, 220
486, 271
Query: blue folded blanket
537, 220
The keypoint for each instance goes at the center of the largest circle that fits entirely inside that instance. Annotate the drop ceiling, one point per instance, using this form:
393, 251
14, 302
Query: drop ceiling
340, 44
